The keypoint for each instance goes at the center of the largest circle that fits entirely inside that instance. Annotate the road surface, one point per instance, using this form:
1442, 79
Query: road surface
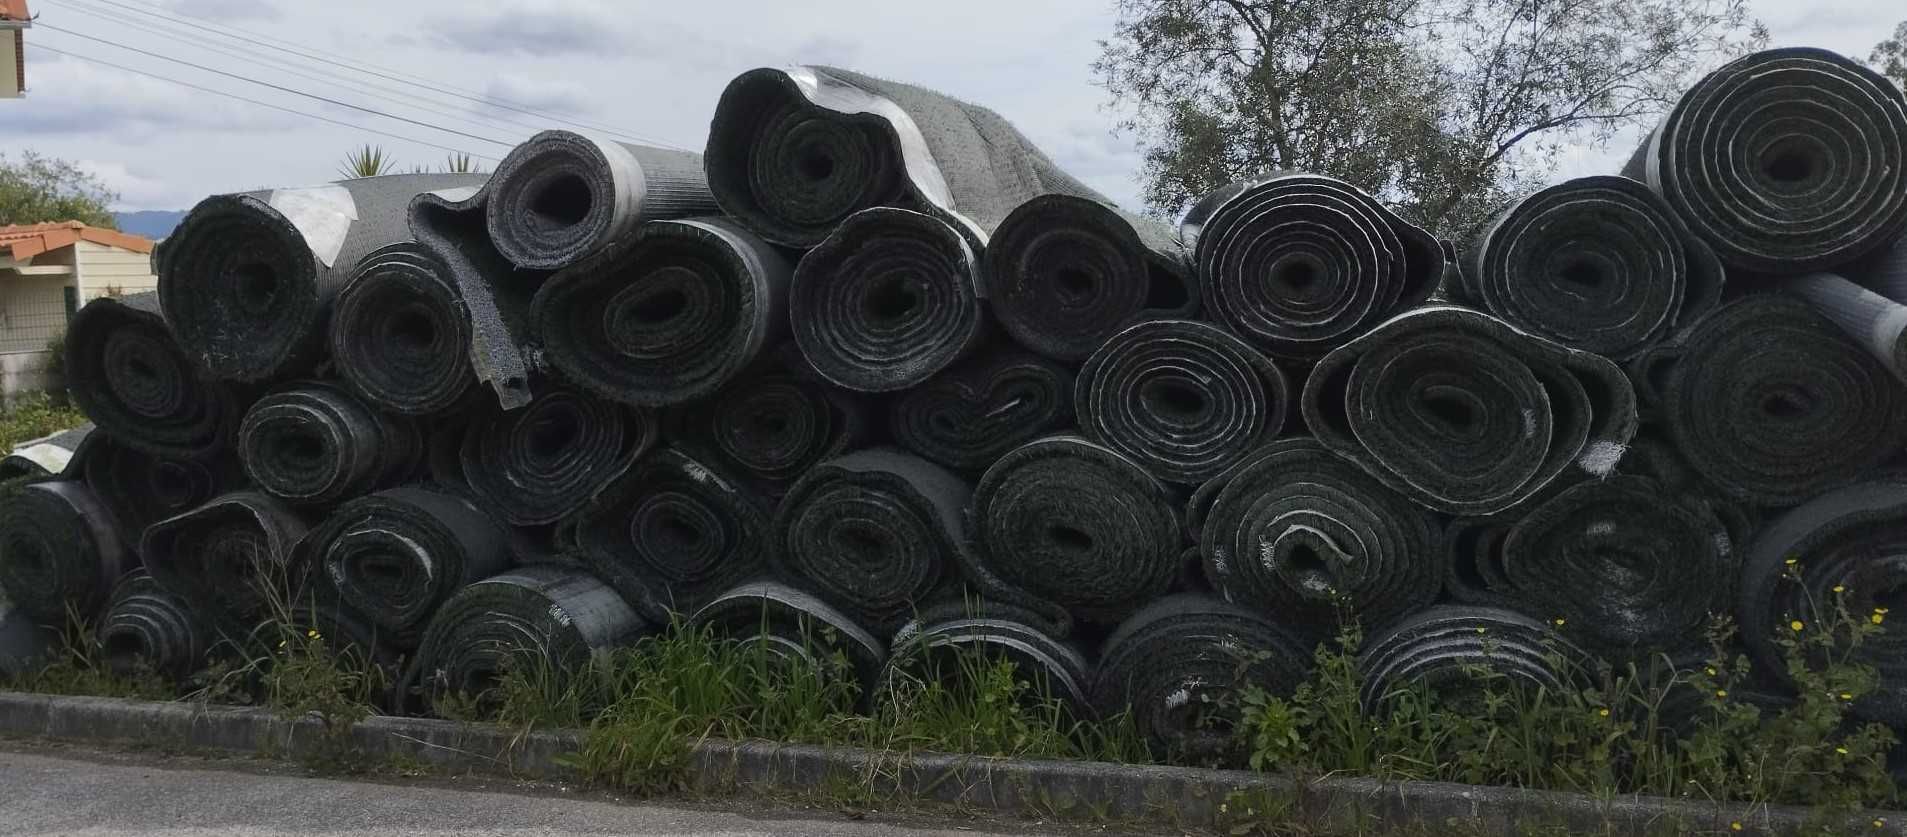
57, 791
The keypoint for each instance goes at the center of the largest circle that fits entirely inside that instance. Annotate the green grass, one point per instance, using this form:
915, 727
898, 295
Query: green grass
1611, 736
644, 708
33, 416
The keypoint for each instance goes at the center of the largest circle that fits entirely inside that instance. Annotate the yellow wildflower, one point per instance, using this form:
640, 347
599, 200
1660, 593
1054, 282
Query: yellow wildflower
1796, 625
1603, 712
1847, 695
1721, 693
1840, 588
1736, 825
1559, 621
1841, 750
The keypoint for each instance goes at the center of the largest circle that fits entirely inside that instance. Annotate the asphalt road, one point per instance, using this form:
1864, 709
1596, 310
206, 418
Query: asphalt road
71, 792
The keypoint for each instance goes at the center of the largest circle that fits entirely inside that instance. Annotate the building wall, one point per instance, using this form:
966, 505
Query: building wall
110, 271
22, 373
11, 65
32, 311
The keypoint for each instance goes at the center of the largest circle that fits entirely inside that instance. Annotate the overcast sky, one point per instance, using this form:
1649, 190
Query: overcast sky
641, 67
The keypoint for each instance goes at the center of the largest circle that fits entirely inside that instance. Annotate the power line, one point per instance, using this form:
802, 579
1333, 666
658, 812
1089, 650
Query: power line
315, 73
407, 99
278, 87
389, 74
292, 111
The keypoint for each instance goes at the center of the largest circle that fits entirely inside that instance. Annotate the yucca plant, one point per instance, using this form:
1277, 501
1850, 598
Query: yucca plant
369, 161
461, 163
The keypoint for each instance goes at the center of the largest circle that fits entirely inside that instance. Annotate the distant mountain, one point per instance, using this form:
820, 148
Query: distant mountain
153, 224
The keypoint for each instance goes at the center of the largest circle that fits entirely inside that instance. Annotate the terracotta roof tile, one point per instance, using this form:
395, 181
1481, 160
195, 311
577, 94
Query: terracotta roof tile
26, 241
14, 10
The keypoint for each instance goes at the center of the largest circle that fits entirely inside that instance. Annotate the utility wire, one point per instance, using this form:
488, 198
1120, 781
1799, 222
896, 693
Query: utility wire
396, 96
387, 73
292, 111
277, 87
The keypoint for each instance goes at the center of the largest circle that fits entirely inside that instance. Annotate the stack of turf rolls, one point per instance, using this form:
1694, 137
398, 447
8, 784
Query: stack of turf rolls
873, 371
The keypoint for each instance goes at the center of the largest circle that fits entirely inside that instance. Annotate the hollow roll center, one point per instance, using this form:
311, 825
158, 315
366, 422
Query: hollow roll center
479, 680
676, 532
1454, 409
549, 435
560, 202
1308, 562
1069, 539
815, 163
1583, 274
28, 555
256, 286
1174, 400
659, 307
124, 646
1297, 277
863, 545
1788, 403
411, 330
1788, 165
1075, 284
174, 485
383, 568
889, 299
300, 448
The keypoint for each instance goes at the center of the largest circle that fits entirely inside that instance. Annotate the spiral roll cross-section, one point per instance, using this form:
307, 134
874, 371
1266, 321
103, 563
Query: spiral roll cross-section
396, 555
59, 551
1465, 414
400, 334
551, 619
229, 558
1600, 264
559, 196
129, 376
1628, 568
536, 465
1179, 664
1455, 650
1773, 404
1078, 525
1299, 264
790, 624
1842, 554
674, 532
969, 416
1065, 273
875, 533
1785, 161
886, 301
247, 280
1184, 399
149, 629
665, 317
316, 444
948, 647
1301, 534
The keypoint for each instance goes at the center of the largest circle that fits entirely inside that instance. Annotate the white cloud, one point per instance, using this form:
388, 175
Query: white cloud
528, 93
227, 11
648, 67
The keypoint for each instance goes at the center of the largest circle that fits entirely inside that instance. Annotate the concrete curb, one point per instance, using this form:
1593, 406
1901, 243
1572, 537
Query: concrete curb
1076, 791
